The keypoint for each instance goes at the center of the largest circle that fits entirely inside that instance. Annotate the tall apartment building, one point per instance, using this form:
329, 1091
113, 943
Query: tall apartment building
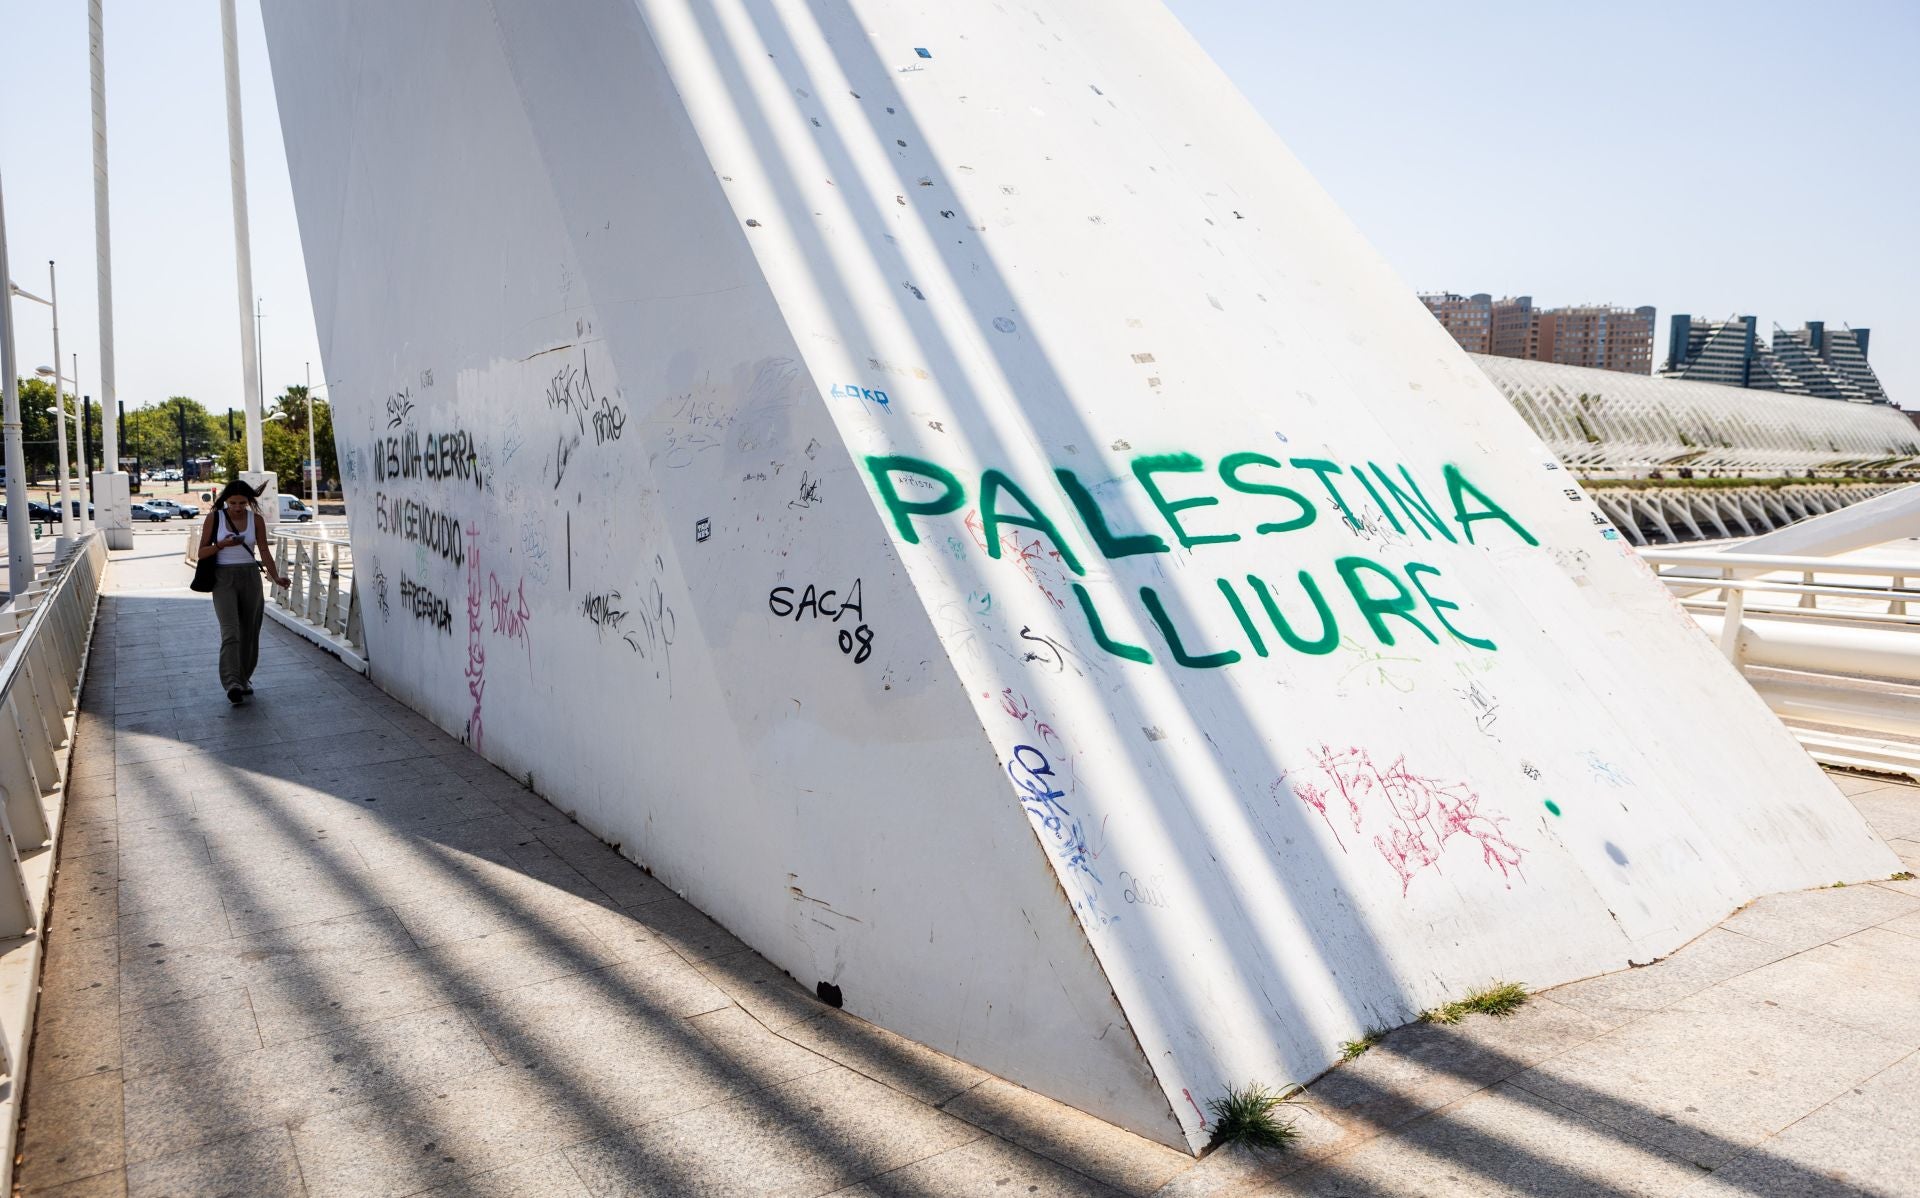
1811, 360
1468, 317
1591, 335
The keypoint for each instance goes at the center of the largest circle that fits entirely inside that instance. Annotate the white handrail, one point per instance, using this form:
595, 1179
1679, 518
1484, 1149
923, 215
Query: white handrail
45, 632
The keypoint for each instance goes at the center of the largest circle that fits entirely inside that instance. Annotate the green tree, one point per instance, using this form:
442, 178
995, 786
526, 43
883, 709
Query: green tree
295, 406
168, 433
37, 434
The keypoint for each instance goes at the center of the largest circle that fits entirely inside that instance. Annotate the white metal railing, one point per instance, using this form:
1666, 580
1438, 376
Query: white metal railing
320, 600
1835, 639
44, 634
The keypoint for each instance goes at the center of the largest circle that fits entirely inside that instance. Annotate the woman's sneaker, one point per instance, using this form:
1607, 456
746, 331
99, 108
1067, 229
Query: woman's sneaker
235, 695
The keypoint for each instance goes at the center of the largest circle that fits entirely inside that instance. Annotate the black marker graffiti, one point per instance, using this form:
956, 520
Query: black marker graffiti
423, 525
601, 612
436, 456
560, 457
399, 407
609, 419
425, 605
1047, 652
809, 492
857, 641
652, 635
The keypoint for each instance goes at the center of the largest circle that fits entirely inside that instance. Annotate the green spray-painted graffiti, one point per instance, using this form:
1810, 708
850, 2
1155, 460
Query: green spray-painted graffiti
1387, 600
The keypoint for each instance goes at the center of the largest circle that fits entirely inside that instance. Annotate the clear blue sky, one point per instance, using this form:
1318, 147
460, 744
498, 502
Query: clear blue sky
1709, 157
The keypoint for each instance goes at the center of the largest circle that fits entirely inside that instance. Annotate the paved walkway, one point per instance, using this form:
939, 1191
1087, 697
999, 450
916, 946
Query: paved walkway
315, 946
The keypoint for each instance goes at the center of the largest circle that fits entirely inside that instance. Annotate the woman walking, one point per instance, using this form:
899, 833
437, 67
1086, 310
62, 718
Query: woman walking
232, 534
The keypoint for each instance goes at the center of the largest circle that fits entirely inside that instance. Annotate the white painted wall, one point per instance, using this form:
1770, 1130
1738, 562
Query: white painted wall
766, 241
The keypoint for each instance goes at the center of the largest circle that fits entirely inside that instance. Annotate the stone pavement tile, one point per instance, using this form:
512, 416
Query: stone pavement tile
1415, 1069
1073, 1138
174, 926
73, 965
762, 988
1538, 1030
622, 881
1803, 918
92, 804
986, 1168
160, 971
1501, 1141
259, 1164
111, 1184
808, 1136
1711, 1076
157, 1038
151, 800
691, 934
1904, 886
1890, 1097
73, 1130
1907, 848
622, 933
1892, 812
1829, 1154
370, 747
1234, 1170
184, 1107
1709, 959
894, 1061
295, 1004
137, 747
549, 1176
319, 894
75, 1035
1906, 925
408, 1140
86, 901
80, 838
1866, 981
331, 723
638, 1005
750, 1049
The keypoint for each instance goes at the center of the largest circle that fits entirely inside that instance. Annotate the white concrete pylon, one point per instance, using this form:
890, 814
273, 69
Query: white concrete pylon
948, 492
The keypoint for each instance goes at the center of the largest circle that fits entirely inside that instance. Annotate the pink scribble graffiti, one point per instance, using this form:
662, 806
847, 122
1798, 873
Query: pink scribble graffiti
1196, 1107
1031, 557
476, 647
510, 614
1414, 816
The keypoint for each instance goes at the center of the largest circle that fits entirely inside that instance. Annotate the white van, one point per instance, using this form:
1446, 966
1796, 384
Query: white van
293, 509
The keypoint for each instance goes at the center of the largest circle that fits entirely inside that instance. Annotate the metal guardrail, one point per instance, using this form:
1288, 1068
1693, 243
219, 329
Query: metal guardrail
1836, 642
320, 601
45, 633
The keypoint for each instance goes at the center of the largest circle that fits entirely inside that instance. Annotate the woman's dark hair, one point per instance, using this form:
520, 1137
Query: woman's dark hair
240, 488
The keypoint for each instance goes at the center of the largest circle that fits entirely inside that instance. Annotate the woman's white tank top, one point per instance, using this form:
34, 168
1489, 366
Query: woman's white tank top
234, 555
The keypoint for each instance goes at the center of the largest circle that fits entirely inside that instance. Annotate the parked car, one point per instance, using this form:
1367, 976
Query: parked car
187, 510
35, 511
293, 509
147, 511
168, 506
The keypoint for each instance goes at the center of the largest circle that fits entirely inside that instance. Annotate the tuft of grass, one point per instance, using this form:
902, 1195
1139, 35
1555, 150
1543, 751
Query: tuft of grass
1905, 875
1349, 1049
1498, 1000
1249, 1115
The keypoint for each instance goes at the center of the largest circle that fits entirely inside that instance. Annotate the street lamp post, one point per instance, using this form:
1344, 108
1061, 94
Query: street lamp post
60, 414
50, 372
19, 529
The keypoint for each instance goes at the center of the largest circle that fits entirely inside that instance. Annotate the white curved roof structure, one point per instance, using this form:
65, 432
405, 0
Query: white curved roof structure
1606, 420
